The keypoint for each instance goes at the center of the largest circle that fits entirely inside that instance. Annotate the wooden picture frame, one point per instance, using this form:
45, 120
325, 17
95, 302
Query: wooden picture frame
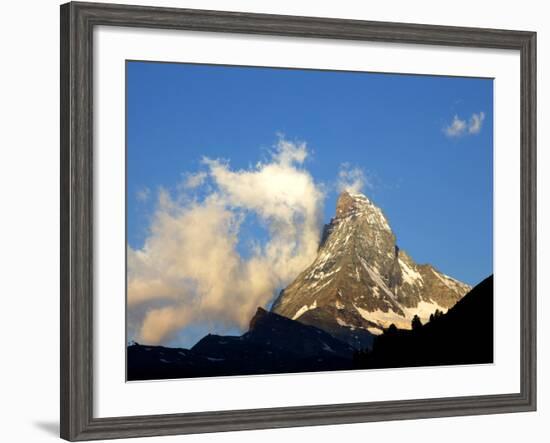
77, 23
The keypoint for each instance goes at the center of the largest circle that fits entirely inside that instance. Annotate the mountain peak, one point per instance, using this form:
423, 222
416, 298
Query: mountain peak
358, 205
348, 203
260, 314
361, 280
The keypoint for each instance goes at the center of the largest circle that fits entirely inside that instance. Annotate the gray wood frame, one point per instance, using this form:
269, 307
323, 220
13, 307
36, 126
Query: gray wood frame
77, 24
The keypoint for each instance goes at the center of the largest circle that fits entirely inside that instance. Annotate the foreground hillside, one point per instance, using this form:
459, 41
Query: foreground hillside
273, 344
464, 335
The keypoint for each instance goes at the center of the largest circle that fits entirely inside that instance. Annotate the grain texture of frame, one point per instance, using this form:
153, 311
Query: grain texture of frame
77, 23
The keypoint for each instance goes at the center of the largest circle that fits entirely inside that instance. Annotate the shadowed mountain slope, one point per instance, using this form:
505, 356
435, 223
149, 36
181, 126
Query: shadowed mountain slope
273, 344
464, 335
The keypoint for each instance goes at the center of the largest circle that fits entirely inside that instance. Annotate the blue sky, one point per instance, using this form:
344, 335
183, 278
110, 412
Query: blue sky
435, 186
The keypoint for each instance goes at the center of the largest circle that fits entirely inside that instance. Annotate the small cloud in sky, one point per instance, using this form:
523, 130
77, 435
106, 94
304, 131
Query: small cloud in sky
193, 181
459, 127
351, 179
456, 128
143, 194
476, 121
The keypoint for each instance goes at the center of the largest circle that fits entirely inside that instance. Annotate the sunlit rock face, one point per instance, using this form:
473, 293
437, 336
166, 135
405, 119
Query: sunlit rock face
361, 282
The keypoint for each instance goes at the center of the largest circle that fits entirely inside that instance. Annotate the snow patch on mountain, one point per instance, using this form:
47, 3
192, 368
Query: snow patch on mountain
424, 310
374, 330
304, 309
384, 318
376, 277
410, 275
450, 282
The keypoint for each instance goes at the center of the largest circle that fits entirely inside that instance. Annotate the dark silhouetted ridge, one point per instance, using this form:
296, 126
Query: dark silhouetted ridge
464, 335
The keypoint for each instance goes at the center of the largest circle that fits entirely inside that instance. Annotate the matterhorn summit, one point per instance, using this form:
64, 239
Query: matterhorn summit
361, 282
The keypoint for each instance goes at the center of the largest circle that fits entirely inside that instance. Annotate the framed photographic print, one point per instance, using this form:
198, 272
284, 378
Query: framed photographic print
272, 221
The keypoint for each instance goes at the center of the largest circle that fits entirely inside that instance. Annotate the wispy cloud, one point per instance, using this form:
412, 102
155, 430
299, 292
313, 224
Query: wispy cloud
351, 179
456, 128
476, 121
193, 181
190, 270
459, 127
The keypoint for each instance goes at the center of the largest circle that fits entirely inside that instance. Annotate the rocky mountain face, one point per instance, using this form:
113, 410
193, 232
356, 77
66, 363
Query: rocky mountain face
361, 282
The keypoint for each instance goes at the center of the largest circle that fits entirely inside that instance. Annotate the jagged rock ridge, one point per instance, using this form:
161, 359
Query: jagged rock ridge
361, 282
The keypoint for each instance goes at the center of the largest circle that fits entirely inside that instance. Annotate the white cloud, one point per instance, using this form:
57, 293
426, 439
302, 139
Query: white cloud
351, 179
476, 121
459, 127
286, 153
193, 181
190, 270
456, 128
